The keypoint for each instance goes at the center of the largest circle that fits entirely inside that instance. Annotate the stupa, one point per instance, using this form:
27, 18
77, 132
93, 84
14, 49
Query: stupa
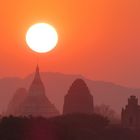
78, 99
36, 103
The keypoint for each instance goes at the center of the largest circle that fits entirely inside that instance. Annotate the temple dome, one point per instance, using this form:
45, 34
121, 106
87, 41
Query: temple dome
79, 87
78, 99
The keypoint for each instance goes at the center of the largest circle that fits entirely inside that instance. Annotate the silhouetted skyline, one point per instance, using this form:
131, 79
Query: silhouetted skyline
57, 86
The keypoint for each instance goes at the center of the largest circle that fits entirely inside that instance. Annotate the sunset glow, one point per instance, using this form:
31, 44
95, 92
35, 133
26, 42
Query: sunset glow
96, 39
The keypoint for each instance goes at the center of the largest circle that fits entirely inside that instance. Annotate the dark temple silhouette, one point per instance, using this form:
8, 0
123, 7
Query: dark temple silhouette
131, 114
78, 99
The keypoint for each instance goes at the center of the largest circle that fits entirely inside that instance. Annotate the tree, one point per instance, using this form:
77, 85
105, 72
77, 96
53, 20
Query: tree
106, 111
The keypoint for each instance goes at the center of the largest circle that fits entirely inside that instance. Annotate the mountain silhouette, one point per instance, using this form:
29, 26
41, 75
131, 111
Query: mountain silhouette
57, 85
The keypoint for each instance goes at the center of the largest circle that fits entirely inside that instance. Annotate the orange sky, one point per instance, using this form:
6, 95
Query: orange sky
99, 39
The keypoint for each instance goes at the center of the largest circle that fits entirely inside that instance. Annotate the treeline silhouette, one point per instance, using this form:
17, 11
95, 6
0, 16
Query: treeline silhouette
66, 127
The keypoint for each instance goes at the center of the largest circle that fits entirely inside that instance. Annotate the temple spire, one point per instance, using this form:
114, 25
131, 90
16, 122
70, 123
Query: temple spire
37, 74
37, 86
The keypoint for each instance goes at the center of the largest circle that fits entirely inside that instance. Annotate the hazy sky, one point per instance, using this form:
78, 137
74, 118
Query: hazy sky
99, 39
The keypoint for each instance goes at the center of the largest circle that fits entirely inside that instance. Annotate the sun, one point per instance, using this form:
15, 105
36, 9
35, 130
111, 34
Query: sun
42, 37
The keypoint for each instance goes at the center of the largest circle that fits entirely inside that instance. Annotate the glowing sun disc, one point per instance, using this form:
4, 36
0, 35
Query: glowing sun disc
41, 37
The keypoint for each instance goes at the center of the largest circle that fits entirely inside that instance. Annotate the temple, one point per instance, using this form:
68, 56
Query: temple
130, 115
78, 99
36, 103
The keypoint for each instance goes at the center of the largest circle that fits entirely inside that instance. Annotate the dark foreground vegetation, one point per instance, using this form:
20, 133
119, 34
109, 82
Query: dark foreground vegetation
70, 127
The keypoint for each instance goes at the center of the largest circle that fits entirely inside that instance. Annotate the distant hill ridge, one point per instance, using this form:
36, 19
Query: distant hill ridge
57, 86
